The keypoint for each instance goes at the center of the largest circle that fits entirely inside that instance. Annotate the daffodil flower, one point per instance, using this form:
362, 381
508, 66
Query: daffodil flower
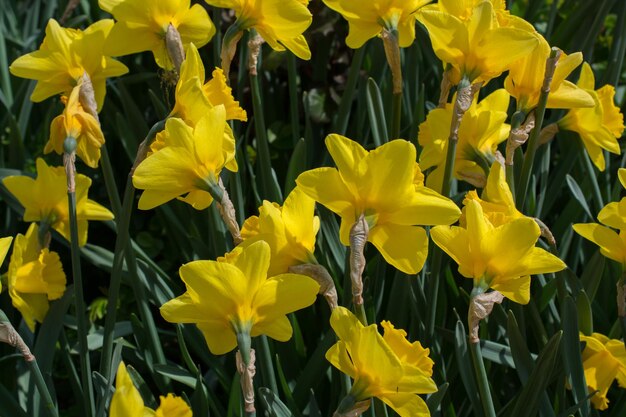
280, 23
189, 164
379, 185
45, 200
387, 367
141, 26
482, 128
498, 257
64, 56
599, 126
496, 199
369, 19
229, 298
289, 230
127, 401
477, 47
604, 360
35, 277
526, 78
79, 124
193, 95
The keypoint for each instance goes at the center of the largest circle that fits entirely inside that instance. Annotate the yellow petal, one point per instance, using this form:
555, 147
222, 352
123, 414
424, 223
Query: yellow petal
404, 247
326, 186
609, 242
126, 401
406, 404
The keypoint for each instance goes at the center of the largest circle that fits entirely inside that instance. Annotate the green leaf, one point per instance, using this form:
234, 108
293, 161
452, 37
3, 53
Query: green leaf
376, 113
177, 373
528, 401
572, 358
464, 362
273, 404
578, 194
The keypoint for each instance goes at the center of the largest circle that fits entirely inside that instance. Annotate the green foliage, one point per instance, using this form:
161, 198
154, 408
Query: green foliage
532, 353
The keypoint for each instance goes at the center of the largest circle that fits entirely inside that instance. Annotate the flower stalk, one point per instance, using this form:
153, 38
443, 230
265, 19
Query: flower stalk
533, 140
69, 158
229, 47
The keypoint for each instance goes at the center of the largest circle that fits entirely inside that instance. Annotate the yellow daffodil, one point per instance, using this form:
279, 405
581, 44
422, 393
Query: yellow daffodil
80, 125
193, 95
599, 126
141, 26
604, 361
498, 257
482, 129
526, 78
380, 186
190, 162
5, 244
64, 56
35, 277
45, 200
475, 45
280, 23
496, 199
368, 19
228, 298
612, 244
289, 230
127, 401
464, 9
387, 367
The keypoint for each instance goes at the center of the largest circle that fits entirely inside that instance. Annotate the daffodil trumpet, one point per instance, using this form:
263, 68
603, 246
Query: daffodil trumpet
533, 140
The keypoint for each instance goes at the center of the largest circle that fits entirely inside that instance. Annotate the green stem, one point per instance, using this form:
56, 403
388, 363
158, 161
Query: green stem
268, 186
123, 222
81, 317
533, 141
516, 122
42, 387
341, 123
293, 97
359, 311
481, 379
433, 292
396, 116
109, 182
266, 363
